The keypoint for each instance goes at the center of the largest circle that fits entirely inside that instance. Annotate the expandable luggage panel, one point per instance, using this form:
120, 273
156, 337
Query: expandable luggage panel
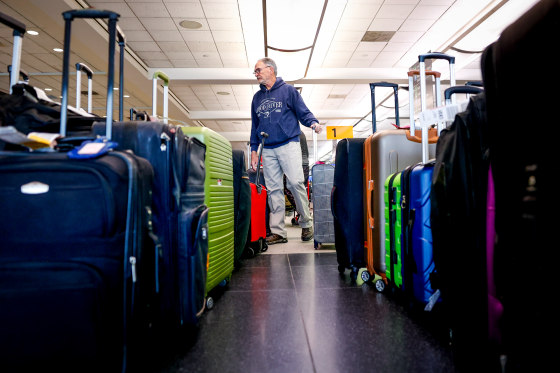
393, 229
385, 152
218, 189
323, 221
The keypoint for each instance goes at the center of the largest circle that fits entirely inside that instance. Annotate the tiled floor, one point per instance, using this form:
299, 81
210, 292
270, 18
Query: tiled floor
290, 310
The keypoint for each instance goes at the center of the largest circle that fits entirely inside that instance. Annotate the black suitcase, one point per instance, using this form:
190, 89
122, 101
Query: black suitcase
348, 206
75, 247
178, 205
241, 203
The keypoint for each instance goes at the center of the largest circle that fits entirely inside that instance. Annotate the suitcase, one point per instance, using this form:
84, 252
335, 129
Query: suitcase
75, 249
241, 203
385, 153
256, 240
218, 196
323, 220
347, 205
393, 229
178, 203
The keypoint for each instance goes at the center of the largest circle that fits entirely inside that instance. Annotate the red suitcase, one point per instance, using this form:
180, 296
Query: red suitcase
257, 229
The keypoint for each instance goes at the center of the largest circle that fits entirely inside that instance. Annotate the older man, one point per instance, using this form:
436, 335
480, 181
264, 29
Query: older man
277, 109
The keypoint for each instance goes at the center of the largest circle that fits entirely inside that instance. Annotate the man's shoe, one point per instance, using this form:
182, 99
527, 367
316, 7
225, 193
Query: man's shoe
275, 238
306, 234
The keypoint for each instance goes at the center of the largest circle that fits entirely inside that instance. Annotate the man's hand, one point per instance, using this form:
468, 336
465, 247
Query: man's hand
254, 160
317, 128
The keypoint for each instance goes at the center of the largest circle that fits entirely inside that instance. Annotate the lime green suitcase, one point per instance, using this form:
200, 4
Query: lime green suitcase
393, 229
218, 196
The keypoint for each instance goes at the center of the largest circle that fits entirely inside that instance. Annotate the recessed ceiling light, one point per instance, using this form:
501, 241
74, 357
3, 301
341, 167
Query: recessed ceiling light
48, 89
191, 25
115, 88
32, 32
58, 49
222, 93
126, 96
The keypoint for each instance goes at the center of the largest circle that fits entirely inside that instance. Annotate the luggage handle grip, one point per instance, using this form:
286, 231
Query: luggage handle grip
436, 56
258, 177
18, 27
161, 75
370, 219
460, 89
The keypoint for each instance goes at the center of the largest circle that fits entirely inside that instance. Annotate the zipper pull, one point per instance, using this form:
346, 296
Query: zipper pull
133, 268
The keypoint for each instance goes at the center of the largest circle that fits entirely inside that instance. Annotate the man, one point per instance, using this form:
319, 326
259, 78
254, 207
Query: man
276, 110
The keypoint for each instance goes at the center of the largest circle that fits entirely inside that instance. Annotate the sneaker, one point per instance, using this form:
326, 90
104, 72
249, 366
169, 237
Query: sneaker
306, 234
275, 238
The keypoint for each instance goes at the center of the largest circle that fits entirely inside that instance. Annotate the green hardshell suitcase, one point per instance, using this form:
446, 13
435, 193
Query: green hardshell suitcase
393, 229
218, 196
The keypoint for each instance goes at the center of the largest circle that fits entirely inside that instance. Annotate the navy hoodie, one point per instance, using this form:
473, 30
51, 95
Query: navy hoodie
277, 112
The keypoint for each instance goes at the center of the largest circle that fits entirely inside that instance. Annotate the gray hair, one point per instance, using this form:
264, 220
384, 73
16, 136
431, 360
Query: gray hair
270, 62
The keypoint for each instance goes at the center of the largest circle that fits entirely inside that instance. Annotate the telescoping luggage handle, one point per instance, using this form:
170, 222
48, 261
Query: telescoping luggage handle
264, 135
19, 31
80, 67
395, 94
165, 78
114, 32
422, 62
466, 89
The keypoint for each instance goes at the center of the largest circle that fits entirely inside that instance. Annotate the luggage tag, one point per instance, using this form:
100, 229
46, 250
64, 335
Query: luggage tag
92, 149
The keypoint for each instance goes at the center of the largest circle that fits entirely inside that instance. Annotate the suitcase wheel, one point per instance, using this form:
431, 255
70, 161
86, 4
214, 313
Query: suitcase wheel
380, 286
363, 276
209, 303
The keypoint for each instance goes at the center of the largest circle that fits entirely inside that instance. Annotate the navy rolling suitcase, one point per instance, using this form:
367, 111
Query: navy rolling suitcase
347, 205
75, 249
178, 205
241, 203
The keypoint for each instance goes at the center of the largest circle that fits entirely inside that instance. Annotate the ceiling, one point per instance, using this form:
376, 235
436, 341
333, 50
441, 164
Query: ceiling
210, 67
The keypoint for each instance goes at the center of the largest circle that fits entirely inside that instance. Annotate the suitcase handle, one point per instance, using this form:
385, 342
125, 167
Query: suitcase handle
114, 35
80, 67
411, 134
395, 94
460, 89
19, 31
160, 75
264, 135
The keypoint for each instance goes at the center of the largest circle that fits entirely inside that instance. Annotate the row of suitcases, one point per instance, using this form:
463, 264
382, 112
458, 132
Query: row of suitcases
111, 245
388, 194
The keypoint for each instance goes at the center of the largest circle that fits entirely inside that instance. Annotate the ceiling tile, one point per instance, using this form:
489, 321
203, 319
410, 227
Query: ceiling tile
428, 12
128, 23
395, 11
354, 24
144, 46
119, 7
138, 36
370, 46
416, 25
228, 36
149, 9
406, 36
188, 10
158, 63
152, 24
397, 47
172, 46
166, 35
231, 47
220, 10
181, 55
152, 55
197, 36
234, 63
198, 46
224, 24
385, 24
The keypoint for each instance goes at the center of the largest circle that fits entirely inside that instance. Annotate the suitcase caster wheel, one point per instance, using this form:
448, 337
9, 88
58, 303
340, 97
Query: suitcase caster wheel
363, 275
209, 303
380, 286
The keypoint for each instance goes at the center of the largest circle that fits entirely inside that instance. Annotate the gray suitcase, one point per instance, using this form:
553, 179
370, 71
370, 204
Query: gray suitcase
323, 221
